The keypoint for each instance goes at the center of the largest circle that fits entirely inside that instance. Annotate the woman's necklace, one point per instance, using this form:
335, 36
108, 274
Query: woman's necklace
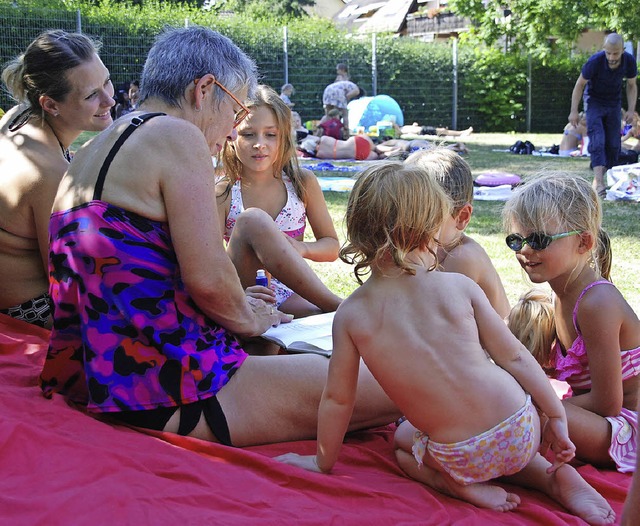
65, 151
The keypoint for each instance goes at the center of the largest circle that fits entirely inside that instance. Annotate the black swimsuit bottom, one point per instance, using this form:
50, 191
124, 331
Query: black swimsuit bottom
190, 414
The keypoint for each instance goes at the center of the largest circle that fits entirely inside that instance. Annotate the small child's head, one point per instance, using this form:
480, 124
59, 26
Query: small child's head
532, 321
287, 89
334, 114
450, 170
342, 69
557, 202
393, 209
454, 175
134, 91
296, 120
264, 97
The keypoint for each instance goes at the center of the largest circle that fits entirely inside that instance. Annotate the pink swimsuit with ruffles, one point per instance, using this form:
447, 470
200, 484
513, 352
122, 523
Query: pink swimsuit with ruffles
573, 368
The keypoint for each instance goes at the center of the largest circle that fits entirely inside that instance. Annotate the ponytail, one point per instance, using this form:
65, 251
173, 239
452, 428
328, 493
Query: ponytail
12, 79
603, 255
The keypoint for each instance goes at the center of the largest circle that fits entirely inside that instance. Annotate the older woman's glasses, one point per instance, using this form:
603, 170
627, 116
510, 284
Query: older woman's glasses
537, 240
242, 113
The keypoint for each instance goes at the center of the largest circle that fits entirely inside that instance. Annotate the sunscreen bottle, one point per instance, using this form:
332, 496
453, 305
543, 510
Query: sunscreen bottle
261, 278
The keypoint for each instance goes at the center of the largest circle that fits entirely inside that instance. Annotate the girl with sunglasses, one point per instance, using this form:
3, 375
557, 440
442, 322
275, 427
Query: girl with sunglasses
265, 200
555, 225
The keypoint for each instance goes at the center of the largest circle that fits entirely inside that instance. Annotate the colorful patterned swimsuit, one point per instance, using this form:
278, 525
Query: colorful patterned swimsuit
503, 450
572, 366
127, 335
291, 220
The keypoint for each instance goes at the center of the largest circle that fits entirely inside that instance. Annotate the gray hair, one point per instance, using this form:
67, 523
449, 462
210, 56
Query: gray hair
181, 55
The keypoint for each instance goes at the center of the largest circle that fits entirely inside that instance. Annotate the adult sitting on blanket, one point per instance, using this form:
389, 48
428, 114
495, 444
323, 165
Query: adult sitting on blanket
573, 137
62, 88
147, 302
416, 129
399, 149
358, 147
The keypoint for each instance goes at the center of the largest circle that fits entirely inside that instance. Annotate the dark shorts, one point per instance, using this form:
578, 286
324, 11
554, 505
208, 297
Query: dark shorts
157, 419
428, 130
36, 311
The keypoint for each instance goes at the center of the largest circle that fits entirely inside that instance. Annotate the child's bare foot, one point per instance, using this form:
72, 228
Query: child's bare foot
466, 132
482, 494
574, 493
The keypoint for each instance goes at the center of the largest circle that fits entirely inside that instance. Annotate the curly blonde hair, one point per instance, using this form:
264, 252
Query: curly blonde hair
532, 321
393, 209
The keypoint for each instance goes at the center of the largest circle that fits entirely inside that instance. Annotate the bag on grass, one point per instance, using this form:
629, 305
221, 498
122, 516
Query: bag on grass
522, 148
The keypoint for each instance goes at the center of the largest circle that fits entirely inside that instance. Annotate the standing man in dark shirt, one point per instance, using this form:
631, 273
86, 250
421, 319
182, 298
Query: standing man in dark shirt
602, 75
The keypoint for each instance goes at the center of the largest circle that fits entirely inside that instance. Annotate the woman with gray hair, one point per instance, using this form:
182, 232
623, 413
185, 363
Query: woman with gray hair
62, 88
148, 306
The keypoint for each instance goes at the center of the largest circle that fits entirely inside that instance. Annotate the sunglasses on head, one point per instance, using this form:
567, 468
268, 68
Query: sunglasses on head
536, 240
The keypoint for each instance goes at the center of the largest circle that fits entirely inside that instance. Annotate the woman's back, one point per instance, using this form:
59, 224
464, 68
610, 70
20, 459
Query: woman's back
31, 169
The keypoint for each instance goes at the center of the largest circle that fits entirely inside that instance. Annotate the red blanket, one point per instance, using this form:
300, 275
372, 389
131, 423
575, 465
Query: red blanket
60, 466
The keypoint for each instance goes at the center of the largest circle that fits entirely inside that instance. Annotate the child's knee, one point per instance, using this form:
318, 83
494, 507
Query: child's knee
252, 220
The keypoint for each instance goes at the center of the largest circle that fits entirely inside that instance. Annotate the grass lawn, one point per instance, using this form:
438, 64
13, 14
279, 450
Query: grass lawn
621, 219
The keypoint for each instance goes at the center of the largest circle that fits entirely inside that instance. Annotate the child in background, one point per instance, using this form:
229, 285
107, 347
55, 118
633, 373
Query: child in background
423, 335
331, 125
299, 130
261, 173
342, 72
555, 225
457, 252
533, 321
134, 94
286, 92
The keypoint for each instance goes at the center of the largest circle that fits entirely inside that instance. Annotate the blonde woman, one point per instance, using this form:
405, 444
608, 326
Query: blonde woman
62, 88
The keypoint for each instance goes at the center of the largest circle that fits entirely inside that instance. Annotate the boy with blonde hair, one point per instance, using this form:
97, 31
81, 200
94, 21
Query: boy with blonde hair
458, 252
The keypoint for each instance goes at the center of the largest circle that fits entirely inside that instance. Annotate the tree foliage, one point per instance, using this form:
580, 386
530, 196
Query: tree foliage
542, 26
262, 9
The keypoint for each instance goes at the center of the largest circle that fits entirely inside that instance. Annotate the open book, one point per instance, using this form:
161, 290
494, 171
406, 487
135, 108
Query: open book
311, 334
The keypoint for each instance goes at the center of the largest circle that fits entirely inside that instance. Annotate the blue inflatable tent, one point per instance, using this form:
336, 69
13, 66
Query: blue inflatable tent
368, 111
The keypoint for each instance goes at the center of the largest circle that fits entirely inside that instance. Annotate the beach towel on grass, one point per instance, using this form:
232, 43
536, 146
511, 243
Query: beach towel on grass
60, 466
326, 166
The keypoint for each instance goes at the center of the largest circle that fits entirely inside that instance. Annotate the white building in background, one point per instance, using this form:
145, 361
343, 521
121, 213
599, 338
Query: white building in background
427, 20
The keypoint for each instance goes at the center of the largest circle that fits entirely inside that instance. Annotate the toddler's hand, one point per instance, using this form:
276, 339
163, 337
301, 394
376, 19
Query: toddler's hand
307, 462
556, 434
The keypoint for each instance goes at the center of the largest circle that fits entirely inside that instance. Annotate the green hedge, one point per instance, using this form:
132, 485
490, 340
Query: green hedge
491, 91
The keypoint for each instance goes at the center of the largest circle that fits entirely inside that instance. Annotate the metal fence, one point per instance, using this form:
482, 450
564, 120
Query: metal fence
434, 98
